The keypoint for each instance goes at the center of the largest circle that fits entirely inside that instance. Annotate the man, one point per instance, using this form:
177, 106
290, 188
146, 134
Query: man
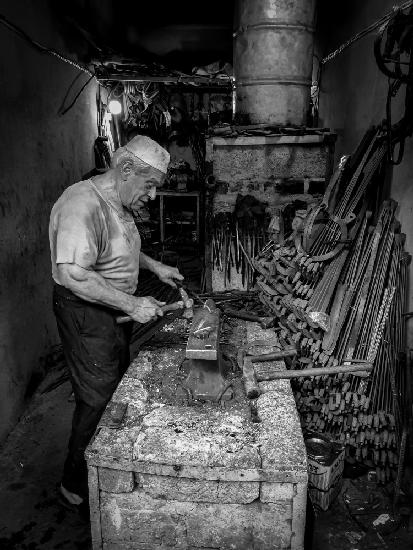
96, 256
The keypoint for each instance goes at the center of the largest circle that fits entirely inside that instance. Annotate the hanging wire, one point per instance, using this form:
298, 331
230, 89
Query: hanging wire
76, 96
42, 48
371, 28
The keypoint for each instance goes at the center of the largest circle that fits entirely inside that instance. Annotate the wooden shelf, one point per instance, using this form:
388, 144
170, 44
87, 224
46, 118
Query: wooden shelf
191, 80
167, 193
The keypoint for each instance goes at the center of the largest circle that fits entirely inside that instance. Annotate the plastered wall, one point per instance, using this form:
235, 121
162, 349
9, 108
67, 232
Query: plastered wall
354, 96
41, 153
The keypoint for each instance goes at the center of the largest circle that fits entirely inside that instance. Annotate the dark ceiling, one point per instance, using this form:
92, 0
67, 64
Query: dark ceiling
181, 34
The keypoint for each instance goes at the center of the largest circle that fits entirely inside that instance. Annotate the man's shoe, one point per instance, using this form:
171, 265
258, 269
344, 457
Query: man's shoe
69, 497
73, 502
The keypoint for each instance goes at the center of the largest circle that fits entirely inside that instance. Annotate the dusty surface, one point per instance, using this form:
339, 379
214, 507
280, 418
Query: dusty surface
161, 428
31, 518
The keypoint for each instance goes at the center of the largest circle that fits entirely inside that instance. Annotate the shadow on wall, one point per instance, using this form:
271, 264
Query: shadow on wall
44, 154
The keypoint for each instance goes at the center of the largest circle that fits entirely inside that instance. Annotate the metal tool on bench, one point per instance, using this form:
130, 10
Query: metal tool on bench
168, 307
203, 364
264, 322
188, 303
187, 291
185, 303
275, 356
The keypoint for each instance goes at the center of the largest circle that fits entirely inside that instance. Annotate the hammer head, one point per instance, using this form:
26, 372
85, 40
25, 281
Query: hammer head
267, 322
188, 304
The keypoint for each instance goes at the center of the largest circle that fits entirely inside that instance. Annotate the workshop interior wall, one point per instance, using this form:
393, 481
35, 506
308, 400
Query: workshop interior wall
41, 154
353, 97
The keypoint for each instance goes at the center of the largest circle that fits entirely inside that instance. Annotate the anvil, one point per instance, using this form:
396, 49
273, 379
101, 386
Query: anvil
203, 362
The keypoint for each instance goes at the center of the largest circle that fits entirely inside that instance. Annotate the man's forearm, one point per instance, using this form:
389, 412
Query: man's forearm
92, 287
167, 274
145, 262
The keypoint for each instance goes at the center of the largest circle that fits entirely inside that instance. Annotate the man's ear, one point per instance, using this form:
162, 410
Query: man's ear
126, 168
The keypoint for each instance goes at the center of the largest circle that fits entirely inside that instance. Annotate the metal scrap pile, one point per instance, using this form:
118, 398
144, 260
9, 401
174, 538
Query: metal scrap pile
338, 290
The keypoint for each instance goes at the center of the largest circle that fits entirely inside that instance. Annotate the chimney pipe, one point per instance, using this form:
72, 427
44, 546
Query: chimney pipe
273, 57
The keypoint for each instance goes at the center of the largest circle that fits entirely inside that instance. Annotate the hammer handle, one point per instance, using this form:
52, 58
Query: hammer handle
276, 356
321, 371
168, 307
246, 316
241, 314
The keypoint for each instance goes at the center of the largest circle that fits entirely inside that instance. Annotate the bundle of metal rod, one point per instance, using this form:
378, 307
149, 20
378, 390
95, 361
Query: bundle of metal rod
234, 242
355, 189
330, 405
388, 379
238, 299
343, 304
364, 413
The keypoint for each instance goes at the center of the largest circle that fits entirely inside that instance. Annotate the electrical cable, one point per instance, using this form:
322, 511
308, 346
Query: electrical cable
42, 48
395, 34
76, 96
380, 22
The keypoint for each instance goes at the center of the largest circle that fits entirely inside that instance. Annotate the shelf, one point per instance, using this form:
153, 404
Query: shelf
190, 80
180, 223
178, 193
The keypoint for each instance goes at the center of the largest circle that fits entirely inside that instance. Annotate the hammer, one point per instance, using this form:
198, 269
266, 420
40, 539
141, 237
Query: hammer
264, 322
167, 307
188, 291
275, 356
188, 303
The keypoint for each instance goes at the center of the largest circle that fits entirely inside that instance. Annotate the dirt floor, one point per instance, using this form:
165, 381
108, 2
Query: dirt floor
30, 465
32, 519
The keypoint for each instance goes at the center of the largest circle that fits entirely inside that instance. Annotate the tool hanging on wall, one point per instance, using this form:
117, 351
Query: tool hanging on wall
393, 52
237, 237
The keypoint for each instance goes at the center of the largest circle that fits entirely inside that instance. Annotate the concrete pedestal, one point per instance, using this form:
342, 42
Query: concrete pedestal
180, 475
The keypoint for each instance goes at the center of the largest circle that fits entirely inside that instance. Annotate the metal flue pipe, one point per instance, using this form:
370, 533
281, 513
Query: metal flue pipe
273, 55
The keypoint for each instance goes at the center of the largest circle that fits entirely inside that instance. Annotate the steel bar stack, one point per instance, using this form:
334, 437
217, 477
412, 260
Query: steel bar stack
339, 295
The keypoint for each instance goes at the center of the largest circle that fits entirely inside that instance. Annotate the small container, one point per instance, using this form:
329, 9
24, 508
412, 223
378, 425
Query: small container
325, 460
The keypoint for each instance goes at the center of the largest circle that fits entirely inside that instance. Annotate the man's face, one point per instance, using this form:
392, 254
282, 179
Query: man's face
140, 187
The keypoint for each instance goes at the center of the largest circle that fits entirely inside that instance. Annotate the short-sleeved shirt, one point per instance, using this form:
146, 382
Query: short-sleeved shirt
86, 230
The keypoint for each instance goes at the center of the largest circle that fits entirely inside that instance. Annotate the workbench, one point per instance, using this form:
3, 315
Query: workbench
176, 474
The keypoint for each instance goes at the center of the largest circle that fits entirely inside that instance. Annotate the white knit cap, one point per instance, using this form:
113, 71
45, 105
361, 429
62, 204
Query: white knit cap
150, 152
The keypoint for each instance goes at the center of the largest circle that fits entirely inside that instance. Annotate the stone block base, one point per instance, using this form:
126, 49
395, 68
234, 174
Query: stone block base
134, 518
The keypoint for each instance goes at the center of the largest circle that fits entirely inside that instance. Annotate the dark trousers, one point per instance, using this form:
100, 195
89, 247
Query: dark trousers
96, 350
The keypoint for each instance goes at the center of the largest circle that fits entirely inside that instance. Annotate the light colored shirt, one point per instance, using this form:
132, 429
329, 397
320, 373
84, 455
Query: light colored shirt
86, 230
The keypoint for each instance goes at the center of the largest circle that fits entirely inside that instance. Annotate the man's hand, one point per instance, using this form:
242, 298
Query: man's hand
145, 309
167, 274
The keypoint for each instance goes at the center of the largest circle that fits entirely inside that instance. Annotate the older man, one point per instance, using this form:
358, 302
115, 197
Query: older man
96, 256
